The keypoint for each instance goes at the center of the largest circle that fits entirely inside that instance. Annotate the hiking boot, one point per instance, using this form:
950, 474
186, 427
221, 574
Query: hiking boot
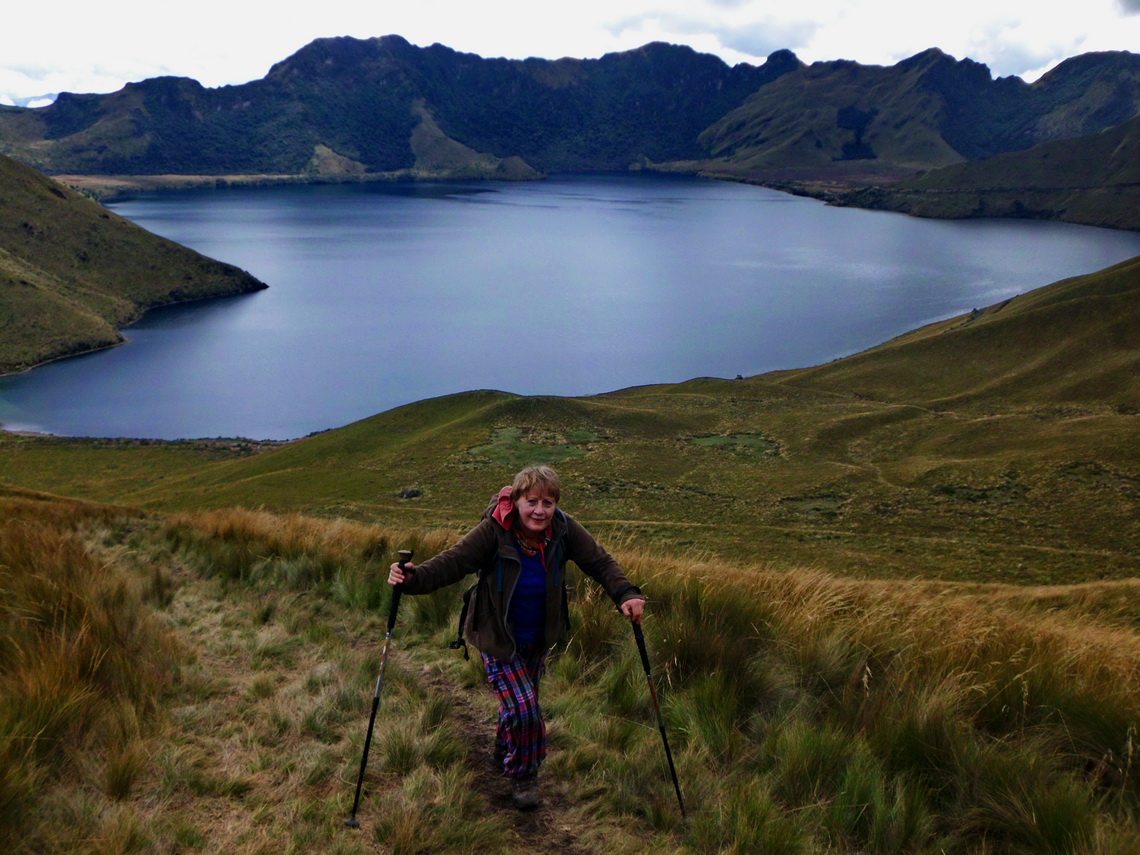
525, 795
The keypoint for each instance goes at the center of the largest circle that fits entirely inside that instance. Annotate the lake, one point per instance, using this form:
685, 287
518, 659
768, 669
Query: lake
384, 294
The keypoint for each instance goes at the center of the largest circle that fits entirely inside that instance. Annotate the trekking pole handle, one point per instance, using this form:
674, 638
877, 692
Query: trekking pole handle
397, 590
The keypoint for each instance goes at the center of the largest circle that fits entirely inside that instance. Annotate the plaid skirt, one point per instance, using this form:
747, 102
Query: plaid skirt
521, 735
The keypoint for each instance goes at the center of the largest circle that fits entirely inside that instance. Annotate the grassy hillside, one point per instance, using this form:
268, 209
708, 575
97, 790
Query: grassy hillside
1074, 343
997, 445
201, 683
836, 112
72, 272
927, 111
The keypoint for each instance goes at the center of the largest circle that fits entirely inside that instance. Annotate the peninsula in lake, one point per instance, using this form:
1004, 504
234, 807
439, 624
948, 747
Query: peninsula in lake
72, 272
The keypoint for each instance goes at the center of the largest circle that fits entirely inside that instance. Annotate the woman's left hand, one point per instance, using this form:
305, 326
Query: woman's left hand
633, 609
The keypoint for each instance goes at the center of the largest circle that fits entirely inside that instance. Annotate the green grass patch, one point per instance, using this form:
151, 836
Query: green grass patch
515, 447
825, 507
745, 443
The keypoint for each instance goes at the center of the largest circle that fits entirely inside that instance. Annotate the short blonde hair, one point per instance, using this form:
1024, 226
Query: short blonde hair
541, 478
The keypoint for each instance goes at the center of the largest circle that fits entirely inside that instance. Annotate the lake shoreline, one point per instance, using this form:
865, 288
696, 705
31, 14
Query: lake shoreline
864, 186
120, 188
124, 339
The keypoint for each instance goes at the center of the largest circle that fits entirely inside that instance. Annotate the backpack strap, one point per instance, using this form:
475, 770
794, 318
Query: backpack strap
460, 642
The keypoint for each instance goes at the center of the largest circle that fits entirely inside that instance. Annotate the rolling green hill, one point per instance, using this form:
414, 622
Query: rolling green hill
1075, 343
72, 272
1000, 442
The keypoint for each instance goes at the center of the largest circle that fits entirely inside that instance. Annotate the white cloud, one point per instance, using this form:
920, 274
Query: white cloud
737, 36
98, 47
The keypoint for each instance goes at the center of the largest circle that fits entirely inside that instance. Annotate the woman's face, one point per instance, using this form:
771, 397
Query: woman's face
536, 510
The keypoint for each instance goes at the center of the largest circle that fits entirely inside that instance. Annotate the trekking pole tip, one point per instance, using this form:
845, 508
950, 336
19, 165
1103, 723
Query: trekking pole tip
352, 822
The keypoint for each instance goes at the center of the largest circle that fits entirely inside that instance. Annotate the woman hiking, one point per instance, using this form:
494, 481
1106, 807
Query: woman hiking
517, 609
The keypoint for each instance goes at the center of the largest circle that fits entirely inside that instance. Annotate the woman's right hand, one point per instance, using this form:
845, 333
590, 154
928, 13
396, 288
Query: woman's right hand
396, 576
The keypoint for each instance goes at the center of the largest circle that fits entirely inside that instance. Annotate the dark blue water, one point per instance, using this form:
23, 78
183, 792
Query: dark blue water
385, 294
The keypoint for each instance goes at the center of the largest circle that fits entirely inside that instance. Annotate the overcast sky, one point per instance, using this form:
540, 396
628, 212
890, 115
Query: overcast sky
84, 46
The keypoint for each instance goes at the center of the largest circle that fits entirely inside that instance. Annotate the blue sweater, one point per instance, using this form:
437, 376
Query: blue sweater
527, 612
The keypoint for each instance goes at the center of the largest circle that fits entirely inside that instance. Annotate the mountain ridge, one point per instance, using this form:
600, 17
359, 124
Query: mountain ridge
934, 108
357, 97
342, 108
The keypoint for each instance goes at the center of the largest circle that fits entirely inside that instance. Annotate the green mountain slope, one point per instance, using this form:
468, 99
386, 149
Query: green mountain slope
352, 109
1094, 180
1006, 438
351, 106
71, 272
926, 111
363, 100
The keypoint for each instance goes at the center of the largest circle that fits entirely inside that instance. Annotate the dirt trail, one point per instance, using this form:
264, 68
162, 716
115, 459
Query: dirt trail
551, 828
249, 737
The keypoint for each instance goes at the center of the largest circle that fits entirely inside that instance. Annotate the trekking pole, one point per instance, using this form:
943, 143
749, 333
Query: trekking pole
405, 557
637, 633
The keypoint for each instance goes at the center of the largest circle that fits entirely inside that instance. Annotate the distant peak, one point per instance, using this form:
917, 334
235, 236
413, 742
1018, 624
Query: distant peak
783, 59
927, 59
936, 58
340, 49
1092, 63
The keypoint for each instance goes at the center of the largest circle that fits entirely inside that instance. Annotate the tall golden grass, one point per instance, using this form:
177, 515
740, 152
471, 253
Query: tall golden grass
899, 712
864, 716
82, 665
807, 713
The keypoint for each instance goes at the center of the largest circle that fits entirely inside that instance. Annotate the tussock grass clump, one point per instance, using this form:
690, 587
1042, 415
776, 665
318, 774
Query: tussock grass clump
297, 552
808, 712
441, 811
82, 667
61, 514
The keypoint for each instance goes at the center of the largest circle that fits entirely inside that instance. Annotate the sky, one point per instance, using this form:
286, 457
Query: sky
82, 46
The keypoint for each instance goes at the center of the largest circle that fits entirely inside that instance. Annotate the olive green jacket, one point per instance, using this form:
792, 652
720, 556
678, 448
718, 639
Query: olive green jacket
489, 550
